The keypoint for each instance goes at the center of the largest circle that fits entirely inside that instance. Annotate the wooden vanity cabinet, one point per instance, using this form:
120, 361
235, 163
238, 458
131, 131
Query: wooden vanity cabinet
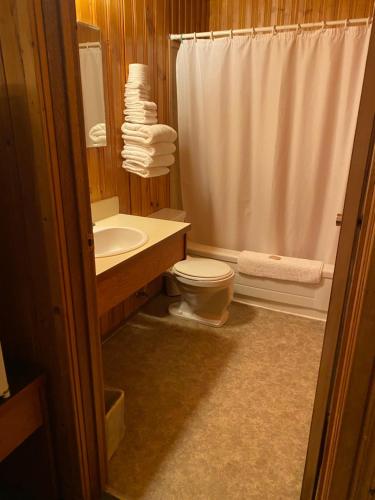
121, 281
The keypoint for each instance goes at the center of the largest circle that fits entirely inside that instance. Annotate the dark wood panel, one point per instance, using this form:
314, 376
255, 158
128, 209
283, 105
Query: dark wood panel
20, 416
225, 14
24, 425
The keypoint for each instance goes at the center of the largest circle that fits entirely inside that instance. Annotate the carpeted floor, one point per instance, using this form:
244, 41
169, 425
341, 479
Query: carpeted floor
213, 414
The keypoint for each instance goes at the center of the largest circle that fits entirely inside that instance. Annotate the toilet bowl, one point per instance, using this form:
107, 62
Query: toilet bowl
206, 288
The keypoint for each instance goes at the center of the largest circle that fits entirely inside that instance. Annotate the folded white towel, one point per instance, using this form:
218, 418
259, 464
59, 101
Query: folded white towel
133, 100
140, 112
141, 120
134, 82
159, 148
137, 85
280, 267
149, 134
145, 172
138, 68
144, 160
136, 91
140, 105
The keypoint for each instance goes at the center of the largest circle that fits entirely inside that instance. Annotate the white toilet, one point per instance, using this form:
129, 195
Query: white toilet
206, 288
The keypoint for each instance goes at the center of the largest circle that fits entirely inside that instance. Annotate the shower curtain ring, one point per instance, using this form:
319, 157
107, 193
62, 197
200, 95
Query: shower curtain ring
324, 25
181, 38
298, 29
254, 32
195, 37
212, 36
346, 23
231, 34
274, 30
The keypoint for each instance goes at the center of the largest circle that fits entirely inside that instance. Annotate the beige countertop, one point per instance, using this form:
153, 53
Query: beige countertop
156, 229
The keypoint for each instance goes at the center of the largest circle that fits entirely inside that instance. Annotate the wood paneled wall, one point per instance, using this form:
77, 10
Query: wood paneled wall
233, 14
47, 270
135, 31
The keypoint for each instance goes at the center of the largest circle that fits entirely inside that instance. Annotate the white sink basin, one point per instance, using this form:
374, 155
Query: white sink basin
116, 240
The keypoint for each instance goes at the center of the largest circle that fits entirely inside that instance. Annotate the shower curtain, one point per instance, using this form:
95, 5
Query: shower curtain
266, 128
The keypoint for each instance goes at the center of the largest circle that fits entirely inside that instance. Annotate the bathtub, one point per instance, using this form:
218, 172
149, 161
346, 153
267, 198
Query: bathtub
301, 299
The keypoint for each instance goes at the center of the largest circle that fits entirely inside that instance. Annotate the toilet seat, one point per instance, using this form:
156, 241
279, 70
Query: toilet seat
203, 270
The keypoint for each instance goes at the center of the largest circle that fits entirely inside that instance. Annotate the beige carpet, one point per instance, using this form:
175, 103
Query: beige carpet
213, 414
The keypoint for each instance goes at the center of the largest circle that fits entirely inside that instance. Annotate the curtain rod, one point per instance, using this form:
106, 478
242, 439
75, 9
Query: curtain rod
274, 29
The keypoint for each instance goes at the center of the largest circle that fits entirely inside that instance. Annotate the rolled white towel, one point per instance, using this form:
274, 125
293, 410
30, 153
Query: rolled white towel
100, 141
144, 160
149, 134
142, 120
98, 129
98, 134
280, 267
159, 148
143, 105
145, 172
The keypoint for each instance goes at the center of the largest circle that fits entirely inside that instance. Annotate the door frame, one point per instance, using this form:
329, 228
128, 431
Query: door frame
351, 279
59, 89
60, 81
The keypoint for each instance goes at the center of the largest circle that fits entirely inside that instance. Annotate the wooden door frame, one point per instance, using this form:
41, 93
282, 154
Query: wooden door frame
56, 56
350, 426
60, 81
347, 309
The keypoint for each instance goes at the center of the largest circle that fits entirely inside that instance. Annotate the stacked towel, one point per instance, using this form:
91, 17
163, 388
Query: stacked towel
148, 146
138, 108
140, 134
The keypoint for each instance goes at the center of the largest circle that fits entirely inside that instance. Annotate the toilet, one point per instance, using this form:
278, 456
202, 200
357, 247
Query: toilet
206, 288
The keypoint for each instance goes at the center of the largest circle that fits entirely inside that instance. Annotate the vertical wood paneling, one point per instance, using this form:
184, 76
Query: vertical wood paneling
135, 31
226, 14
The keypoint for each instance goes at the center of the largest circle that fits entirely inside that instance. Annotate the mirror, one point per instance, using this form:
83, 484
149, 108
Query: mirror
91, 63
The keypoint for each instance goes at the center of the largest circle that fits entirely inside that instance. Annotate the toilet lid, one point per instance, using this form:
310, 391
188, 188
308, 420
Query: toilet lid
203, 268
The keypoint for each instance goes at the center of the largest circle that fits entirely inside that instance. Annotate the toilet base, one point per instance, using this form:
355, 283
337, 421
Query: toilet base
182, 310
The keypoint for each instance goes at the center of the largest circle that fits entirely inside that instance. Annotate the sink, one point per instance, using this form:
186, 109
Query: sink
117, 240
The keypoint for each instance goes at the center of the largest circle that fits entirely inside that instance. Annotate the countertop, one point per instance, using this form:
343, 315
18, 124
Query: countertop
156, 229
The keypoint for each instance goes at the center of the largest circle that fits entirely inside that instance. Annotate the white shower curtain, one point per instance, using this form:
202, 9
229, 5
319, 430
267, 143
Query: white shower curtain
266, 129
